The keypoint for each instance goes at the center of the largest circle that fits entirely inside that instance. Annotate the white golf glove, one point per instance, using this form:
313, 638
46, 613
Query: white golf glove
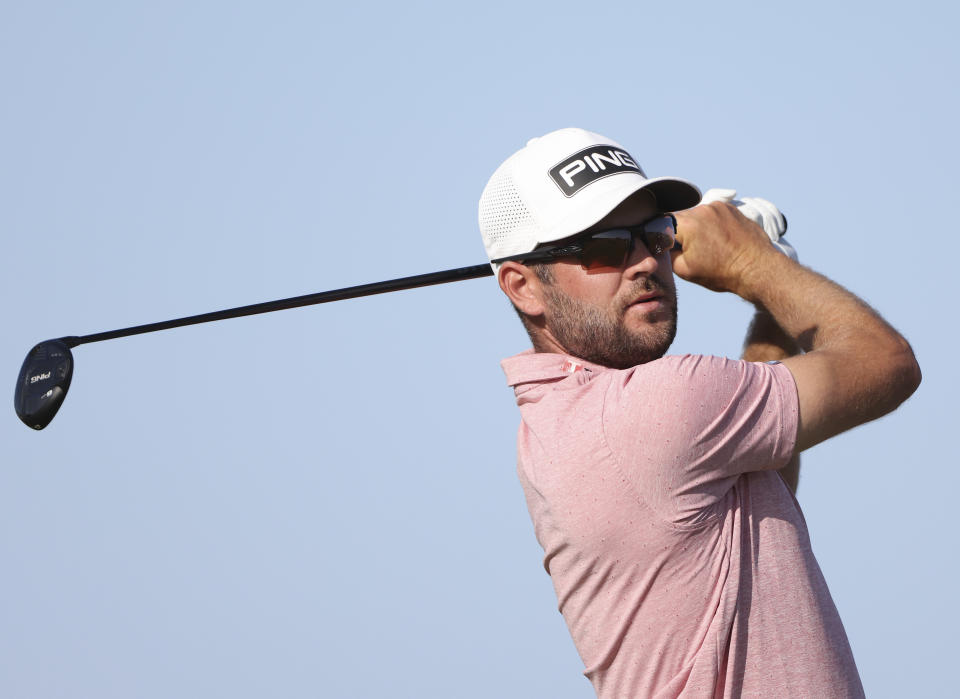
761, 212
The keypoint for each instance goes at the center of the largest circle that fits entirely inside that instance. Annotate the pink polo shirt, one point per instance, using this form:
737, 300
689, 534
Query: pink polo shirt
680, 559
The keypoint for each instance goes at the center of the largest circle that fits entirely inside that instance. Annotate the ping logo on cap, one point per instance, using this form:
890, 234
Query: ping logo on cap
589, 165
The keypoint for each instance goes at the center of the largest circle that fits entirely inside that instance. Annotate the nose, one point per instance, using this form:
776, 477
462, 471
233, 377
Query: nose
641, 261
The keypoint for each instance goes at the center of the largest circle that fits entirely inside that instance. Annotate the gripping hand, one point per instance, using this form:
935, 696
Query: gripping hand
761, 212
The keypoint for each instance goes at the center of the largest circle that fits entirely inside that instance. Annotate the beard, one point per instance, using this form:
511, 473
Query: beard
600, 335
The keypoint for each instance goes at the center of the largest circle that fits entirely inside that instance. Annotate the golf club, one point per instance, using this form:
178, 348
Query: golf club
48, 368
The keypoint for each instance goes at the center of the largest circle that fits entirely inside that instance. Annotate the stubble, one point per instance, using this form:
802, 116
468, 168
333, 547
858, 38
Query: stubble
601, 336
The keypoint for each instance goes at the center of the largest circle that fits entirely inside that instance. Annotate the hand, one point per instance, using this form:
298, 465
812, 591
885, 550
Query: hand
720, 246
761, 212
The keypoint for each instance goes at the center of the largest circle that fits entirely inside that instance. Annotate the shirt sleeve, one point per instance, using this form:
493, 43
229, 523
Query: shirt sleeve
683, 429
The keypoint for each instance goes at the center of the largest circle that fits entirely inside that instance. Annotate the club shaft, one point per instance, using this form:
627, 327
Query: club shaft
416, 281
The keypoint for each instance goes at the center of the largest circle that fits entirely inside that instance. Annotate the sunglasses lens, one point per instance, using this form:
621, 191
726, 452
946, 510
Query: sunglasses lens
611, 248
660, 234
607, 249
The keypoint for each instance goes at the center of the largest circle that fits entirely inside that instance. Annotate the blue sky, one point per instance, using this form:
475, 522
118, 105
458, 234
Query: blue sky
323, 501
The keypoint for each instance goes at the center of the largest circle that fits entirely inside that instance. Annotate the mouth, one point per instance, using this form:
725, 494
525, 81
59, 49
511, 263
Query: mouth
650, 297
647, 305
647, 299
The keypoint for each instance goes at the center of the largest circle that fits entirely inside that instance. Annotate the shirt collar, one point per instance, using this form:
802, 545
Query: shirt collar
536, 367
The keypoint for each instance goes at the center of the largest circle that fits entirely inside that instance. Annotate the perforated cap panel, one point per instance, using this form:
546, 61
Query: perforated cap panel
506, 224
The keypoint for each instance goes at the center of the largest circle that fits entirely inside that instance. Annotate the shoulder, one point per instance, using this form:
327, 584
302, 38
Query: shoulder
681, 383
684, 370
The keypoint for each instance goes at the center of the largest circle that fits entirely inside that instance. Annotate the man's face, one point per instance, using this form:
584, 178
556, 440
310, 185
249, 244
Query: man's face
614, 316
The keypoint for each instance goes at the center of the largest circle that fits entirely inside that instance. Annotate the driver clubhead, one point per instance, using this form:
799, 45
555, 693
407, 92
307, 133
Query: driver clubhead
43, 383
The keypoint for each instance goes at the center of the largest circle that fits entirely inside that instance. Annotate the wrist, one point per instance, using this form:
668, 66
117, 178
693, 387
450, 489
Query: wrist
761, 277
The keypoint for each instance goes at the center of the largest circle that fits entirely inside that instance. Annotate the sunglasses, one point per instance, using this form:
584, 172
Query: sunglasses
610, 248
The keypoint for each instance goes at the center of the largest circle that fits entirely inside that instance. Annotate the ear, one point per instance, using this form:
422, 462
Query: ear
523, 287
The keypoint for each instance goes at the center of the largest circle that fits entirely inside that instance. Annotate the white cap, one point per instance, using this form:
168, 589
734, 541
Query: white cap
561, 184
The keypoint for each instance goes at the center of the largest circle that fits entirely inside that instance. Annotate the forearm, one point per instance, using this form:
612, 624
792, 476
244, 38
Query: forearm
813, 310
860, 362
766, 342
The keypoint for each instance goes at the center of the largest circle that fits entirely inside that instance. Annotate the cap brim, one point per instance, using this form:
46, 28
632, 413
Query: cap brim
671, 193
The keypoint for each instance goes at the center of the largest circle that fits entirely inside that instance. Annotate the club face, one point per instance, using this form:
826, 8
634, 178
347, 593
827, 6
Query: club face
43, 383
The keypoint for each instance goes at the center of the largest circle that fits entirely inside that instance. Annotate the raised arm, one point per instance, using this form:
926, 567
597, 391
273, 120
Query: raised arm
856, 367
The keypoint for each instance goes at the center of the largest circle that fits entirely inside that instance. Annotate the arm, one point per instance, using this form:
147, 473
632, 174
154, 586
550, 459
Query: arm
856, 367
767, 342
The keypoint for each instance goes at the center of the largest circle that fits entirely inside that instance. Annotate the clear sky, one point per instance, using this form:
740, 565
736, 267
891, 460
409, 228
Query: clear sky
323, 501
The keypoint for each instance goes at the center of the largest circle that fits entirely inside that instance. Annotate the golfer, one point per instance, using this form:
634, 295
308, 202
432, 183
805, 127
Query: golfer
661, 488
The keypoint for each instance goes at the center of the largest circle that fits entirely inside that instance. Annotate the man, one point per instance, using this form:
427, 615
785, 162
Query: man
658, 485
